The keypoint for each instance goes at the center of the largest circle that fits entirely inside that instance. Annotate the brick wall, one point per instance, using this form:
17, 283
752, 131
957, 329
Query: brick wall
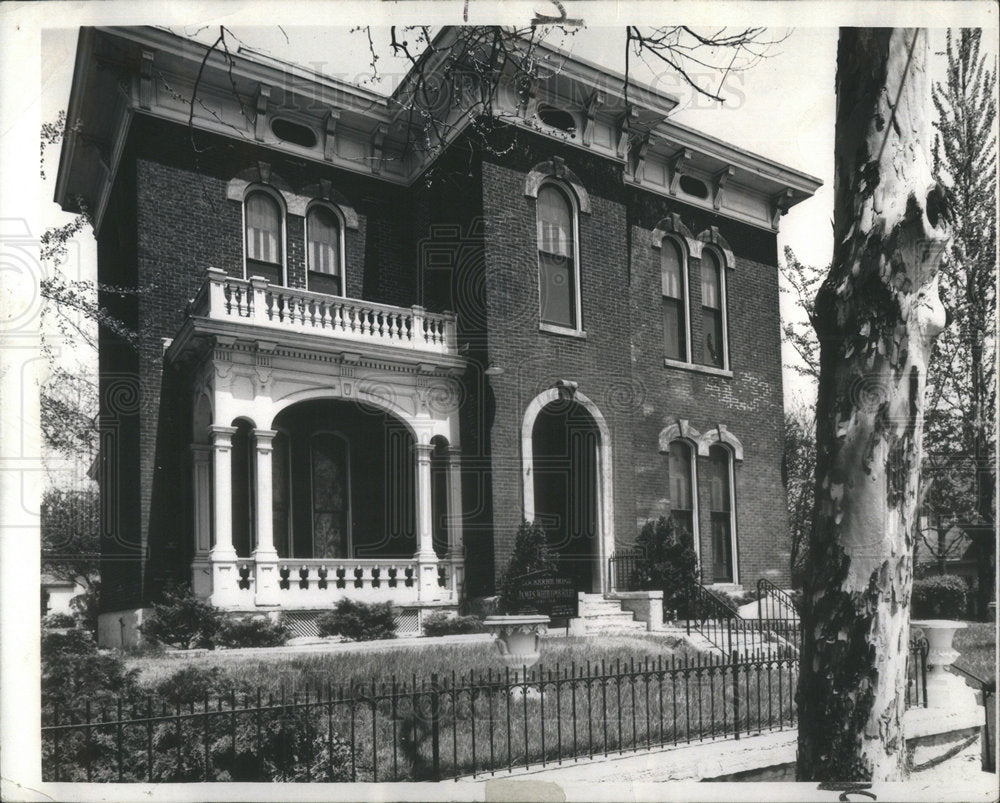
749, 403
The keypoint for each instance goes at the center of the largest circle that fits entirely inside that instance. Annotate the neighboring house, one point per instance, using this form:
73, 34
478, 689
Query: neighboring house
362, 366
57, 594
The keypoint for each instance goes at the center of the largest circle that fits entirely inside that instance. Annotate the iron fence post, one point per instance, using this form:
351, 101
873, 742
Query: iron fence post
435, 742
736, 695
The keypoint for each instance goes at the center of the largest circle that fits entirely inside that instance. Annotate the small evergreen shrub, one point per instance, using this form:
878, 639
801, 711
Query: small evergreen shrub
358, 621
669, 562
531, 554
942, 597
192, 684
441, 624
250, 631
182, 620
58, 620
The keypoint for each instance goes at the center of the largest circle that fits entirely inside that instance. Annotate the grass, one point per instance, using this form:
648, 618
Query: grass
977, 647
298, 671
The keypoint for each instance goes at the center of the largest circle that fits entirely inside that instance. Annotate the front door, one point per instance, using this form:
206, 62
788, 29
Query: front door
565, 455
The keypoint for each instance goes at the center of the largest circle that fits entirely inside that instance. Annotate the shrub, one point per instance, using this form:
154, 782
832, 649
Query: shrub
359, 621
192, 684
531, 554
943, 597
58, 620
251, 631
74, 670
669, 562
442, 624
85, 608
182, 620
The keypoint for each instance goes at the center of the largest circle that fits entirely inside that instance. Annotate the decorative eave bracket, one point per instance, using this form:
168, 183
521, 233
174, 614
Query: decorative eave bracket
590, 112
719, 180
330, 134
260, 106
378, 147
677, 163
780, 204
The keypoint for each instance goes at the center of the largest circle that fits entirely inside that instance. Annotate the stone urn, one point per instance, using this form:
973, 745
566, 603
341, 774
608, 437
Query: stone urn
518, 637
944, 689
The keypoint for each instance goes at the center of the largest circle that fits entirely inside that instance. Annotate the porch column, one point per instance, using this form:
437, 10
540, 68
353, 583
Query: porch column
456, 547
201, 476
426, 557
265, 556
223, 554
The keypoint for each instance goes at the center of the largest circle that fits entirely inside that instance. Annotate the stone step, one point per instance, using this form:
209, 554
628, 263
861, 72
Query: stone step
610, 613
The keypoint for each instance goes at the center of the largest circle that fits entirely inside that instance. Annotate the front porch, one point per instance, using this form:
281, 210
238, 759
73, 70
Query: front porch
325, 461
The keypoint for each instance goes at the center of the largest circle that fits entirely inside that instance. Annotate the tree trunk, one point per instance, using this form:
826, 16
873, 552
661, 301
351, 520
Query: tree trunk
877, 314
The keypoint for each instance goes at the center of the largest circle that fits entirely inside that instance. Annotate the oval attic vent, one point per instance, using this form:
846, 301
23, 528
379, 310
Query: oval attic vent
295, 133
557, 118
694, 186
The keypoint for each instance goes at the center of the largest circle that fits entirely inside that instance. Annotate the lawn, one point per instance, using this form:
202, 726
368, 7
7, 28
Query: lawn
298, 671
977, 647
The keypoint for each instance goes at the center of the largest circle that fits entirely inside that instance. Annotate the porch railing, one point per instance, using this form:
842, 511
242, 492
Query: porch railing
318, 582
288, 309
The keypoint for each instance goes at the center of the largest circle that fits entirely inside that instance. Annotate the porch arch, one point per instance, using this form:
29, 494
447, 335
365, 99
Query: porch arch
605, 495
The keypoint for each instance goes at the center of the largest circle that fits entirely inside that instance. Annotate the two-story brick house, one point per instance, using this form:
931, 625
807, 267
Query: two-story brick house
361, 364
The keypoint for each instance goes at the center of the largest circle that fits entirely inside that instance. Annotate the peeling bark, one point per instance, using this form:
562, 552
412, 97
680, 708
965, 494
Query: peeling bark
877, 314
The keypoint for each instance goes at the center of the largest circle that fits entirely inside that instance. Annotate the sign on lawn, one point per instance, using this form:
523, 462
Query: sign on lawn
547, 593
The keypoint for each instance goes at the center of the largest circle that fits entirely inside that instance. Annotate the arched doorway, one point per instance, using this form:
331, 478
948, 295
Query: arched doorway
342, 482
567, 485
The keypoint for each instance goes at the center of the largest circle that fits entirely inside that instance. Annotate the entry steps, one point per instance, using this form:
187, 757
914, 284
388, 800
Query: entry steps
602, 615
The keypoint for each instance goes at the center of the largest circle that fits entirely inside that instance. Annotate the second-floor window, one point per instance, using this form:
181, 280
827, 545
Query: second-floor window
674, 288
264, 247
713, 310
323, 251
557, 260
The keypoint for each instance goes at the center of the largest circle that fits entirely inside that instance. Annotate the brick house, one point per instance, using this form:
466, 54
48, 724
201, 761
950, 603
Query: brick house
361, 364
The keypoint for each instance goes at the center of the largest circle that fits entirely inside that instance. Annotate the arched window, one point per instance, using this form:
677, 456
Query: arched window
680, 467
673, 277
720, 482
323, 250
264, 246
713, 310
557, 260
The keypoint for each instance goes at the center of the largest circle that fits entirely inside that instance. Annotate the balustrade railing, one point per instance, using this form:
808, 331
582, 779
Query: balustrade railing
254, 301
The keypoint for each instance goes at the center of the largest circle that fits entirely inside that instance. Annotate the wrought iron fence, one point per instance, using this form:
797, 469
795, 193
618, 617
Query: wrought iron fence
424, 729
623, 569
987, 688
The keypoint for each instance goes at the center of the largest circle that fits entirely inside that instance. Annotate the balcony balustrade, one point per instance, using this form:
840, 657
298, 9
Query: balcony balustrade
285, 309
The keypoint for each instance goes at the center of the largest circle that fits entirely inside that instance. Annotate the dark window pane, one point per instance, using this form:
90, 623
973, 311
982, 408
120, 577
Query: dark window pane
558, 299
711, 325
679, 467
673, 329
324, 283
722, 559
269, 271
